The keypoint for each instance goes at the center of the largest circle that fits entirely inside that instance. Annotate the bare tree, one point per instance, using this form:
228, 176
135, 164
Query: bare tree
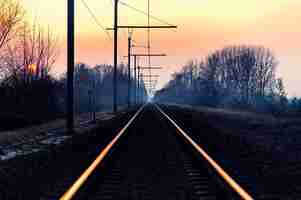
235, 75
11, 16
33, 54
265, 74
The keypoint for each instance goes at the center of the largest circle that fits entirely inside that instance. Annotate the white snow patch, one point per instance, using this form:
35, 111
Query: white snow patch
55, 140
25, 149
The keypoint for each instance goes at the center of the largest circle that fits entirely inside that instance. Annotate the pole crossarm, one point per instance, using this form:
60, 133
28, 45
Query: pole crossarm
115, 28
138, 46
150, 75
146, 55
150, 81
151, 68
142, 27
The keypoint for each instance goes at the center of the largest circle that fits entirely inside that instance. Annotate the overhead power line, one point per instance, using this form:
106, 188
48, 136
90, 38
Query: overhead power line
144, 13
96, 19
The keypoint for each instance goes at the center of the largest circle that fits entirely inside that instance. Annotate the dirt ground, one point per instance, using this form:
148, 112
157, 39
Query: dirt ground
35, 138
264, 149
276, 134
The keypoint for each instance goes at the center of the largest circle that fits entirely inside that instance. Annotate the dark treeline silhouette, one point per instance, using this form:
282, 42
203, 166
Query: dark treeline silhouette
27, 53
93, 87
237, 76
28, 92
295, 105
31, 98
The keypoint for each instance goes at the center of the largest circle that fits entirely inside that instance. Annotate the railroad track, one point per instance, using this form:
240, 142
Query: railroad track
152, 158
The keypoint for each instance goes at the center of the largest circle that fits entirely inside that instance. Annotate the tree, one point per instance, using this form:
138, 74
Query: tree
281, 94
241, 76
11, 16
31, 56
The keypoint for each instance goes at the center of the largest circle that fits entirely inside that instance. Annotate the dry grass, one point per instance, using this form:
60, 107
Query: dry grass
279, 135
39, 131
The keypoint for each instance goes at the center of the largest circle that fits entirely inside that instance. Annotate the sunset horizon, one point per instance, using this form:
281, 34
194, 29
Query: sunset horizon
150, 99
203, 27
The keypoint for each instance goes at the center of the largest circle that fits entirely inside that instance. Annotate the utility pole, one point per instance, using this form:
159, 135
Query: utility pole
135, 79
135, 68
138, 85
150, 82
94, 99
129, 68
70, 66
115, 29
115, 56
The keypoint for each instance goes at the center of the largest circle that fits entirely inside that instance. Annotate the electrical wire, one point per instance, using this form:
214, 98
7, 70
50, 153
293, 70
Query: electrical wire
124, 33
96, 19
144, 13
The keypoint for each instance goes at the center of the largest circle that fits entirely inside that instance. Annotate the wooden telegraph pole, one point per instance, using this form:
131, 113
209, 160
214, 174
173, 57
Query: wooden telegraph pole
129, 68
115, 55
135, 79
138, 85
140, 69
136, 55
70, 66
115, 29
146, 84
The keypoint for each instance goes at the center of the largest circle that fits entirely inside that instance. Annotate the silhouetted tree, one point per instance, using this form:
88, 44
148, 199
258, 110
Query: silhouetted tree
97, 83
32, 55
241, 76
27, 53
11, 16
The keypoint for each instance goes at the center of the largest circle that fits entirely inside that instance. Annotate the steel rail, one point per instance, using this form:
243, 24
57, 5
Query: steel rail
69, 194
230, 181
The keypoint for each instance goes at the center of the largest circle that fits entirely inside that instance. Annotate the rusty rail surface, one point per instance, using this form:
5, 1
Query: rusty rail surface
85, 175
230, 181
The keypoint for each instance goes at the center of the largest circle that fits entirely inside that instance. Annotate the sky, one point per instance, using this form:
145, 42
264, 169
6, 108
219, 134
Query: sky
203, 26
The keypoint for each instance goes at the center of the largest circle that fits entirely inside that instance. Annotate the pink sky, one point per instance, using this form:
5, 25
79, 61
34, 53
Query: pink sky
204, 26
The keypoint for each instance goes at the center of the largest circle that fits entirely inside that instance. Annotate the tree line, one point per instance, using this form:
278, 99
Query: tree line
28, 92
235, 76
93, 88
27, 53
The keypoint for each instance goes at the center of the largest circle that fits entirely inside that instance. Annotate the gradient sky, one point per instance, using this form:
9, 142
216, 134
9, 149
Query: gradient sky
204, 25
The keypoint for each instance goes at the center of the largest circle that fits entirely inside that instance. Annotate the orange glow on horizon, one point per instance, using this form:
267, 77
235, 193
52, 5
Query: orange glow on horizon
204, 26
32, 68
